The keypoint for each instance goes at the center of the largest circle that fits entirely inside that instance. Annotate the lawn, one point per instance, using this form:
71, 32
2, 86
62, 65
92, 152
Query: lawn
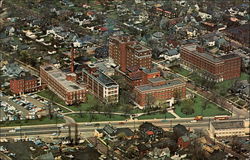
51, 96
44, 120
91, 100
156, 116
96, 117
181, 71
222, 87
211, 110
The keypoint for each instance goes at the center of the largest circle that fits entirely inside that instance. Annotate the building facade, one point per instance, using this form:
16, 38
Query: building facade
62, 84
227, 128
159, 89
126, 52
213, 67
99, 84
24, 84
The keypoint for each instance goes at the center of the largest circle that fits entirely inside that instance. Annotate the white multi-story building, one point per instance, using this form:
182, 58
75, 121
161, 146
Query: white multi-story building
228, 128
99, 84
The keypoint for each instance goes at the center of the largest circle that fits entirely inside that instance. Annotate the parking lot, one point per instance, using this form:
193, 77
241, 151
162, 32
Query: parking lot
22, 107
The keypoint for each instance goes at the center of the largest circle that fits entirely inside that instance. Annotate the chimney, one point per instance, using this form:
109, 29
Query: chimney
200, 49
72, 60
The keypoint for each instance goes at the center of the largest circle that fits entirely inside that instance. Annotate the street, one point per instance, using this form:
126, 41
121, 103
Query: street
47, 130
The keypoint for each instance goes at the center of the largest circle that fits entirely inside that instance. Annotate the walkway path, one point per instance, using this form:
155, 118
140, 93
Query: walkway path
174, 114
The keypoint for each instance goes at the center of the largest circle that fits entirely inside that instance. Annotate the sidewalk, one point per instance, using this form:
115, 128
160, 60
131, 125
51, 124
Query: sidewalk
174, 114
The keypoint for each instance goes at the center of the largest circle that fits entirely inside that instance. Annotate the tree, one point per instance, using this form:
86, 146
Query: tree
204, 106
236, 144
177, 95
150, 100
187, 107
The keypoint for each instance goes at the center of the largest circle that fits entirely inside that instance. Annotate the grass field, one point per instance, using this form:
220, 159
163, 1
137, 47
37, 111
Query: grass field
91, 100
222, 87
96, 117
51, 96
156, 116
44, 120
211, 110
181, 71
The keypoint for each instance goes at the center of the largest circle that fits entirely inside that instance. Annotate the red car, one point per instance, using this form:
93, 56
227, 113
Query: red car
121, 123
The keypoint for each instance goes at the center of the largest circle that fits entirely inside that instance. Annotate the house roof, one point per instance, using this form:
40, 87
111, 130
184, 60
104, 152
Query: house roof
127, 131
180, 130
150, 133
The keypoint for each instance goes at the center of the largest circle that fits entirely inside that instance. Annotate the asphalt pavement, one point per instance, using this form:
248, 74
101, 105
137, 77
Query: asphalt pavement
17, 106
84, 129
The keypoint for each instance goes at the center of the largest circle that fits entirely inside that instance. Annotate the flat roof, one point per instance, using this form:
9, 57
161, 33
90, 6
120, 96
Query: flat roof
139, 48
168, 84
102, 78
192, 49
148, 71
228, 124
157, 79
60, 77
30, 77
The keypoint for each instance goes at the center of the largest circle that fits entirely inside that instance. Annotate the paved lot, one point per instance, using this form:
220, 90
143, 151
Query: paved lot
34, 101
2, 114
18, 107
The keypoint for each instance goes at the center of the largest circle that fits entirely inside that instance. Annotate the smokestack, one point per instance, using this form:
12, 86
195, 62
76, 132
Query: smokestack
72, 60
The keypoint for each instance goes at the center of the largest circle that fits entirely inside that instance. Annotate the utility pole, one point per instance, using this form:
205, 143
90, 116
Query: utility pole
70, 132
76, 133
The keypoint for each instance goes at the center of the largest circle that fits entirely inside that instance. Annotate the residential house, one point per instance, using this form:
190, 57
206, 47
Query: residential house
170, 54
159, 154
186, 140
13, 70
110, 132
150, 132
204, 15
180, 130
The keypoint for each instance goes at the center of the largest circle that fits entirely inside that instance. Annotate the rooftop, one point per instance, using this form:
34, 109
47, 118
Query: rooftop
157, 79
150, 71
168, 85
139, 48
26, 78
102, 78
210, 57
60, 77
228, 124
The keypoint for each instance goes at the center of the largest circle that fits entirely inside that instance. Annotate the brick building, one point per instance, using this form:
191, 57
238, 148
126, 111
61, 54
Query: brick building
160, 90
214, 67
99, 84
126, 52
136, 76
63, 84
24, 84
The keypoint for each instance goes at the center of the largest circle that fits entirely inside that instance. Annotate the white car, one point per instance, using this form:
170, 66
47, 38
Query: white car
12, 131
54, 134
88, 124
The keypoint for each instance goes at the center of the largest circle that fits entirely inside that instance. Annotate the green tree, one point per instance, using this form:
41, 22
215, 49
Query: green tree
187, 107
